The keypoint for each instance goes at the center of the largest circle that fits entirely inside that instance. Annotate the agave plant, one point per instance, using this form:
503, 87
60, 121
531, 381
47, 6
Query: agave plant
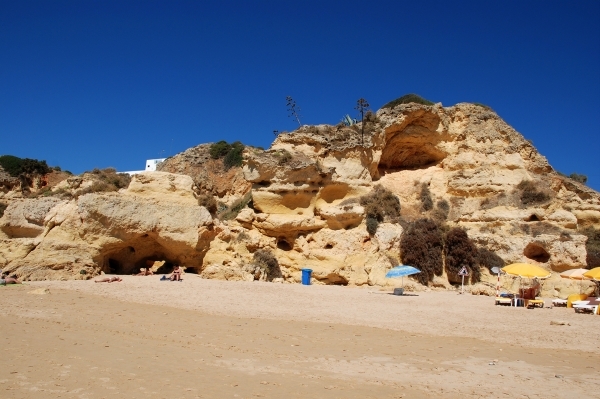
348, 121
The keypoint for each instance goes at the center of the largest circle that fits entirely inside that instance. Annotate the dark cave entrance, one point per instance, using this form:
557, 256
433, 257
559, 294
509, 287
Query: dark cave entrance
284, 245
536, 252
129, 257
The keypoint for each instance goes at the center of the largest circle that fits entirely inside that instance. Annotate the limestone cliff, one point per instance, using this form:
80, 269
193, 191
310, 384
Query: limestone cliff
209, 175
305, 205
303, 188
157, 217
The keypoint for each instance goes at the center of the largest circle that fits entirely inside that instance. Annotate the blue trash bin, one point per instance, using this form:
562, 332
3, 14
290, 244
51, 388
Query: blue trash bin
306, 276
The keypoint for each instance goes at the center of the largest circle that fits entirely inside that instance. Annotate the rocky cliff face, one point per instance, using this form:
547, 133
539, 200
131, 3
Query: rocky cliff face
305, 205
498, 187
156, 218
209, 175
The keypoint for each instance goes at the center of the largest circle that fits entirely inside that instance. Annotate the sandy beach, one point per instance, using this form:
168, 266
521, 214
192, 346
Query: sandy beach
143, 338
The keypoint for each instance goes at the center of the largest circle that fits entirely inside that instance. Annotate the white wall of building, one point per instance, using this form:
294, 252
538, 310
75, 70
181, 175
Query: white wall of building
150, 166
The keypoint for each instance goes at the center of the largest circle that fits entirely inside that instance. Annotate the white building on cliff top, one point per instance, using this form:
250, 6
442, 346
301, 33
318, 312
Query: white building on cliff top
150, 166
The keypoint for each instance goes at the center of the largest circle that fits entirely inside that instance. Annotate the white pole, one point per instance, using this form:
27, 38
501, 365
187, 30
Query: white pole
498, 286
462, 289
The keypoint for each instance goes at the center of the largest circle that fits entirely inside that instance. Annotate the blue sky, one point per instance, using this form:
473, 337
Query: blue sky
87, 84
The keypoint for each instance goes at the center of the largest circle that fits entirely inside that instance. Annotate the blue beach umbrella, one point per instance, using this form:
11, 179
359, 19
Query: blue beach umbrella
401, 271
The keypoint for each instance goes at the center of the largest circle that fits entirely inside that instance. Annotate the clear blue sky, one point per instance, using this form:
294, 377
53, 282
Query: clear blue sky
87, 84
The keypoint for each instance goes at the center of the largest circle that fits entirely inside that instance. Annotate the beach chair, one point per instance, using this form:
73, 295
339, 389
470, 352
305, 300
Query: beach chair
503, 301
559, 303
534, 303
575, 297
588, 306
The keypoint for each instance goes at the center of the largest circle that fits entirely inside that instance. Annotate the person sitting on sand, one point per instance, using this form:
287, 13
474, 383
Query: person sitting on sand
176, 275
109, 280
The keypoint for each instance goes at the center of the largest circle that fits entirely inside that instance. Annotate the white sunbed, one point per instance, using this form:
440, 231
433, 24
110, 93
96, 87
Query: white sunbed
559, 302
504, 301
586, 306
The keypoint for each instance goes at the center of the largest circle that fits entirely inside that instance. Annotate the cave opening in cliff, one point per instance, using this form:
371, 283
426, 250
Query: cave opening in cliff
284, 245
165, 268
414, 146
536, 252
334, 279
129, 257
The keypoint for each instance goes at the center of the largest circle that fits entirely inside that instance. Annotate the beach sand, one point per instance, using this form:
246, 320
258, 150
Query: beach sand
143, 338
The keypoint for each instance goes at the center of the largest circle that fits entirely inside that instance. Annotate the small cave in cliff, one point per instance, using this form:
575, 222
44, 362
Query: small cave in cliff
414, 146
284, 244
536, 252
129, 257
334, 279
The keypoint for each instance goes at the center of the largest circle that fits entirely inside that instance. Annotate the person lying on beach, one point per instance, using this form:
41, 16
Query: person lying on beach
4, 280
176, 275
108, 280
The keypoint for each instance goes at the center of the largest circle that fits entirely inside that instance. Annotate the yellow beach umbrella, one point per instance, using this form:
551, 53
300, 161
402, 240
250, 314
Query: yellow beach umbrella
574, 274
526, 270
593, 274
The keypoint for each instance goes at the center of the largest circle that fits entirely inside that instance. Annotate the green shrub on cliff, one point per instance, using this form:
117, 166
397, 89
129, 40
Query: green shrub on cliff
578, 178
425, 197
592, 246
421, 246
16, 166
489, 259
483, 106
531, 193
461, 252
11, 164
407, 99
381, 204
265, 260
219, 149
231, 153
234, 156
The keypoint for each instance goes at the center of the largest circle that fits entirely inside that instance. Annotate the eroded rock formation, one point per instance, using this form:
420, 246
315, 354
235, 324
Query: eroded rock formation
156, 218
305, 205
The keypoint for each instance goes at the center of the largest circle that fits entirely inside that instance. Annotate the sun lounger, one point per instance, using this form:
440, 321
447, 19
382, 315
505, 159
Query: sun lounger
559, 302
575, 297
534, 303
503, 301
593, 309
591, 306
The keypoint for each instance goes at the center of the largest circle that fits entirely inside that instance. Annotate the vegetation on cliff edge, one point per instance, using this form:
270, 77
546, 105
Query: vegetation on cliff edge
421, 246
268, 263
232, 211
380, 205
407, 99
231, 153
592, 246
16, 166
